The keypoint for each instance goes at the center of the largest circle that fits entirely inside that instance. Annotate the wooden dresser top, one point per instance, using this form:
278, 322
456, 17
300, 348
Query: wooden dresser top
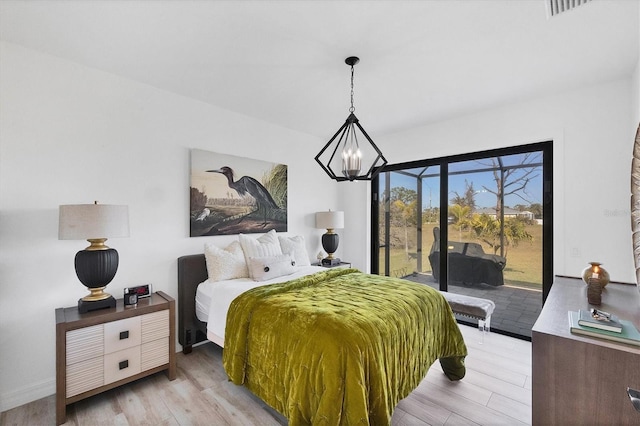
570, 294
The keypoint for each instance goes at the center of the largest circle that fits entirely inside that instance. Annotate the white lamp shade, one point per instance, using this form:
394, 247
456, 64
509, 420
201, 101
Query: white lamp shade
93, 221
330, 220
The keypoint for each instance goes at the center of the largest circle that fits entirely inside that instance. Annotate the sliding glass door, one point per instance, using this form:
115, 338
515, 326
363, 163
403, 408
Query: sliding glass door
490, 212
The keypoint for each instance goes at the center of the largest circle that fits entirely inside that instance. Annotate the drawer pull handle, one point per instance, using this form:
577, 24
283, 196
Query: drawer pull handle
124, 335
123, 364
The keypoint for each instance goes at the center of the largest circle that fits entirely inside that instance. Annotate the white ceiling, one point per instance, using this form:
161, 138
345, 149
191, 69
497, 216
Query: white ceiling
283, 61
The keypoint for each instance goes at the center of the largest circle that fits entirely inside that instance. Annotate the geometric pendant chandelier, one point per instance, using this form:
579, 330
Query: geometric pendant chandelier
351, 154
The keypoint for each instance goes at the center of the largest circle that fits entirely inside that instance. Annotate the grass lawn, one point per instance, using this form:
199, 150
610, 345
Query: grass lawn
524, 263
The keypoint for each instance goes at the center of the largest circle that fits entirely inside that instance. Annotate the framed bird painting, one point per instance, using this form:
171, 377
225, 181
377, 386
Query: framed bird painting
232, 195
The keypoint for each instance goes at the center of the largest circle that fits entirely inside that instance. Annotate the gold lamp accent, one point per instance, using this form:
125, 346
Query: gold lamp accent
97, 244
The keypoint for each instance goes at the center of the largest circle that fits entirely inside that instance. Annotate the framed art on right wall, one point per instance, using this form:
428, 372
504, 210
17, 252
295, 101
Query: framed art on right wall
635, 205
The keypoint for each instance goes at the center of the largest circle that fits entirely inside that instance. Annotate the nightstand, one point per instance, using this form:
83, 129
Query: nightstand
103, 349
339, 265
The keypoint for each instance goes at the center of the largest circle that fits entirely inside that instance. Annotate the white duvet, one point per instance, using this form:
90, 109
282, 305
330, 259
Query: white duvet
214, 298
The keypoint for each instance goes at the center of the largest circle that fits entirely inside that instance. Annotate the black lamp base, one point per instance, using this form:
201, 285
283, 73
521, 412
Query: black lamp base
330, 243
85, 306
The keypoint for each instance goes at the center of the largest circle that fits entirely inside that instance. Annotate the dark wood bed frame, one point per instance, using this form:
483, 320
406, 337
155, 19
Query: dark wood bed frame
192, 270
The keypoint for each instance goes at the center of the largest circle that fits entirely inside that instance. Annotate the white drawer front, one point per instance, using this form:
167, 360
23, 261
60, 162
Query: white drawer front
155, 326
121, 364
84, 343
154, 354
121, 334
84, 376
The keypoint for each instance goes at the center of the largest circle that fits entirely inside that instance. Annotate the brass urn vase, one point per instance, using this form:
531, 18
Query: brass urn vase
595, 271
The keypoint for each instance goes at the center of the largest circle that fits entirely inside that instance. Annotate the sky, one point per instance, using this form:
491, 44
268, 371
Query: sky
483, 198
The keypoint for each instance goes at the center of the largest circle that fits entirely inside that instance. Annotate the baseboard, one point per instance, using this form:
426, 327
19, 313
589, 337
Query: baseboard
27, 394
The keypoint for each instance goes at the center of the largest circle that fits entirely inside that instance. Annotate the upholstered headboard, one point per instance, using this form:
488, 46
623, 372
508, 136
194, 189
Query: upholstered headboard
192, 270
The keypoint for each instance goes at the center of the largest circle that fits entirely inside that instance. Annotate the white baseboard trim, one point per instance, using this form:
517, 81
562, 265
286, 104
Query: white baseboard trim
33, 392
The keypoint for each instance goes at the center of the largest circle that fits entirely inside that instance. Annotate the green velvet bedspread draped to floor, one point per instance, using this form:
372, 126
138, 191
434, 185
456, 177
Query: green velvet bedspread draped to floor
339, 347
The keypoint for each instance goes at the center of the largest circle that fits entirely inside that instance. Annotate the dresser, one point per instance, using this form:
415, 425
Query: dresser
578, 379
103, 349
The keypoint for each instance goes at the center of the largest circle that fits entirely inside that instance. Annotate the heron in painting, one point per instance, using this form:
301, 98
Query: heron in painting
247, 186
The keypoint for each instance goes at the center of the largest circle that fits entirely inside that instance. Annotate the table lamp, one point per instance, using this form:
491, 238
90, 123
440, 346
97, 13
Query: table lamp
330, 221
97, 264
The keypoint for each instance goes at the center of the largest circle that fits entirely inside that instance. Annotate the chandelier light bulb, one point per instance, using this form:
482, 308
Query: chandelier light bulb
351, 162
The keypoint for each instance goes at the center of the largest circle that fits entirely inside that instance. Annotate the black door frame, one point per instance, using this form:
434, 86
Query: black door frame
443, 162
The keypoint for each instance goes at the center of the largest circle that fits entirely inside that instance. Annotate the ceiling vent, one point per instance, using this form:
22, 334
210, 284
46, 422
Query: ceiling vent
555, 7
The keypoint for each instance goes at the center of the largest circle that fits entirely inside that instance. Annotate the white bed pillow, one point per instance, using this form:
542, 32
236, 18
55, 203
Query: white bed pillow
266, 268
296, 247
264, 246
227, 263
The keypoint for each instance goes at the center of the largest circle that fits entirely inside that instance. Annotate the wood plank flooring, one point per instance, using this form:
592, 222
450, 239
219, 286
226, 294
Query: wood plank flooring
496, 390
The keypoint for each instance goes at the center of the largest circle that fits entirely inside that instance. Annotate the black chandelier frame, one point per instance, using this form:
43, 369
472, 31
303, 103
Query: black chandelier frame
347, 134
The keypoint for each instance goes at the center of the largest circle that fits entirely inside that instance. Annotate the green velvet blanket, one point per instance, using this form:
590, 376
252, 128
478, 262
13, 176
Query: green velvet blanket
339, 347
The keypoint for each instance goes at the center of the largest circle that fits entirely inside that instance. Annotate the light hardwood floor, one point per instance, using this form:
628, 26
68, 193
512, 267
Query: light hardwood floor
496, 390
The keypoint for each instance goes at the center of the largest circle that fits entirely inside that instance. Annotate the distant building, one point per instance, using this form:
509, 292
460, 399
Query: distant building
508, 212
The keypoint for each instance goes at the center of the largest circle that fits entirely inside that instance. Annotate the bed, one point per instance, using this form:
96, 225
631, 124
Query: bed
329, 347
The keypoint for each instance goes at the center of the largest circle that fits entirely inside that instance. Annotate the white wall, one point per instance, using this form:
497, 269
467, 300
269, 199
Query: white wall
635, 94
70, 134
635, 89
592, 159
